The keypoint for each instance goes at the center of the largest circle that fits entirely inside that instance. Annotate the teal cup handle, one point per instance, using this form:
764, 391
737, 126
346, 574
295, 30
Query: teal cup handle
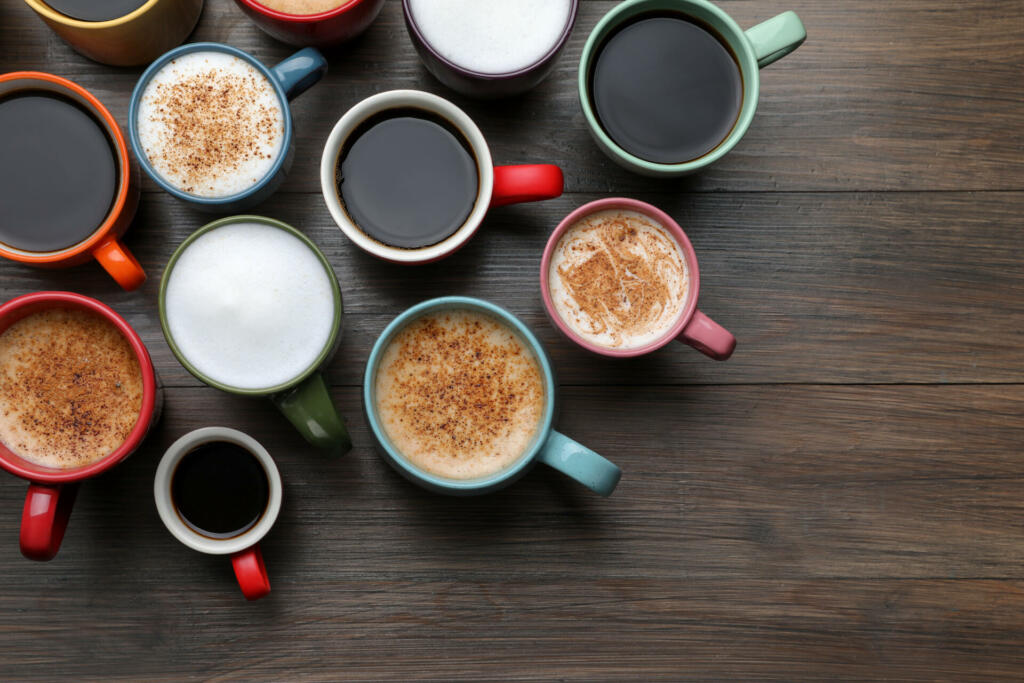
575, 460
300, 72
309, 408
774, 39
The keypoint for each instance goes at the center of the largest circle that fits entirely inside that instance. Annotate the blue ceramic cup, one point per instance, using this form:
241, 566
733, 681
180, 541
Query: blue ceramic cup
548, 446
290, 78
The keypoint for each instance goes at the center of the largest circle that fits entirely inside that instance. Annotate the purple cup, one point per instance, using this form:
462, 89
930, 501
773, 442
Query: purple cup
486, 85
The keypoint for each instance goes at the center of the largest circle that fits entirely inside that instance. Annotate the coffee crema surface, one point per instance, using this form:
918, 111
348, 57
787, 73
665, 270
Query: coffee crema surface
303, 6
210, 124
249, 305
492, 36
70, 388
618, 279
459, 394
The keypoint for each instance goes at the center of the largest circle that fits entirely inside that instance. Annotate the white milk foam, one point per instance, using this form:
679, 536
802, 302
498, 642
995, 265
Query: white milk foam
249, 305
491, 36
210, 146
618, 279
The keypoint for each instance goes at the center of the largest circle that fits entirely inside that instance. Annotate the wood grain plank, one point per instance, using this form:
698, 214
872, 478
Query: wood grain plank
766, 532
820, 288
908, 96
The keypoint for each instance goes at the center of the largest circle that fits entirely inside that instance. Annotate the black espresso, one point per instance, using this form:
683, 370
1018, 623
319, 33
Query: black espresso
407, 178
666, 89
95, 10
58, 172
220, 489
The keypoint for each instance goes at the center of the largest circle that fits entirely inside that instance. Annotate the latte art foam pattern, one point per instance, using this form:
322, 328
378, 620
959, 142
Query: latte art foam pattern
492, 36
210, 124
618, 279
249, 305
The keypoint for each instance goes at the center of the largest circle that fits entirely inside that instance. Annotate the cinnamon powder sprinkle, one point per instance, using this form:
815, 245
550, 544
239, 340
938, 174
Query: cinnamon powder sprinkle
459, 394
215, 123
624, 278
70, 388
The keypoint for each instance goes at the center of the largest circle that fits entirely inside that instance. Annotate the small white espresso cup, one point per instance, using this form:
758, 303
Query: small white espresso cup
244, 548
496, 185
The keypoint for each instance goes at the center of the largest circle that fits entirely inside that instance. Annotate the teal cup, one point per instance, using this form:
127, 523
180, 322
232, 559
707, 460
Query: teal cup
547, 445
753, 50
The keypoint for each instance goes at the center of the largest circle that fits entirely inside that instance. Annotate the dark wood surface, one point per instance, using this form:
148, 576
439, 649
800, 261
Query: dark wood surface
842, 499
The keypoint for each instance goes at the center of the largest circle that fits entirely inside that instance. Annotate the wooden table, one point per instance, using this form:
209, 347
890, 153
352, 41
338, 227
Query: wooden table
842, 499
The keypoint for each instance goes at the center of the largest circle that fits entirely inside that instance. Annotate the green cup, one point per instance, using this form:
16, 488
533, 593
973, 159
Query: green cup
304, 398
755, 48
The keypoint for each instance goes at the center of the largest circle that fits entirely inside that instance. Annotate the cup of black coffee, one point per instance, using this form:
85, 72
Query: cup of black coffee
408, 177
218, 491
68, 187
670, 86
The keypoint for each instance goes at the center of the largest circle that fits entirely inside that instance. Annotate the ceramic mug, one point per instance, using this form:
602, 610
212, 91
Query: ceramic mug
52, 491
485, 85
290, 78
133, 39
246, 557
322, 29
104, 243
548, 446
753, 49
303, 399
496, 186
692, 327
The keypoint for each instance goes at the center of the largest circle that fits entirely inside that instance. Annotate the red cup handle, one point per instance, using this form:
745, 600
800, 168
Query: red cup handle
708, 337
526, 183
45, 518
251, 573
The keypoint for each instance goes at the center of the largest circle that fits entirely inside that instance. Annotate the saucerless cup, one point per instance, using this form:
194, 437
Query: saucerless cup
51, 491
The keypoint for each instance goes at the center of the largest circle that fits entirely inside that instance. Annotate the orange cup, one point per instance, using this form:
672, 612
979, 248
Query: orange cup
104, 243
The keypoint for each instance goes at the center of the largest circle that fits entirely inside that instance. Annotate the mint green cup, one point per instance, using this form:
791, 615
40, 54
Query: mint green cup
304, 398
548, 446
753, 49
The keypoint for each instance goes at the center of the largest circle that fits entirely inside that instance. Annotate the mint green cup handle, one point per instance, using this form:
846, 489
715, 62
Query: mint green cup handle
309, 407
579, 462
774, 39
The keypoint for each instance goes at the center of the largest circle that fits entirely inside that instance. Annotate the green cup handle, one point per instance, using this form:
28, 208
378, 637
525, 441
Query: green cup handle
309, 407
774, 39
579, 462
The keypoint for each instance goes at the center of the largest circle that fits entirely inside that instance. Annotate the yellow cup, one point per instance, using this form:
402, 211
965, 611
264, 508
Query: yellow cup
138, 37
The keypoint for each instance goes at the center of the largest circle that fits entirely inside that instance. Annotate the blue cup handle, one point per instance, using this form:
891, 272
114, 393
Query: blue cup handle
298, 73
579, 462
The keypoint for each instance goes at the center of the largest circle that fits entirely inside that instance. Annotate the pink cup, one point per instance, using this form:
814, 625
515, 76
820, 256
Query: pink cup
692, 327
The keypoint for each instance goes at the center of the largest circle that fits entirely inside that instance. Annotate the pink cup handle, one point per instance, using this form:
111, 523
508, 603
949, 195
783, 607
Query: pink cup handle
708, 337
44, 519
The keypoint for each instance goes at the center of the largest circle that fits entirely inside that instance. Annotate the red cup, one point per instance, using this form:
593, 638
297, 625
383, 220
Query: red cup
692, 327
320, 30
51, 491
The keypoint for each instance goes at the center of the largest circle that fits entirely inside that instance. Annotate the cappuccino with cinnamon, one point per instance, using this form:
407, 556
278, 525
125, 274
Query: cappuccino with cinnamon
618, 279
459, 394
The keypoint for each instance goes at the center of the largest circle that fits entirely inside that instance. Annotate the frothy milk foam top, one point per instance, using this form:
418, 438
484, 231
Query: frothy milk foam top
249, 305
618, 279
210, 124
491, 36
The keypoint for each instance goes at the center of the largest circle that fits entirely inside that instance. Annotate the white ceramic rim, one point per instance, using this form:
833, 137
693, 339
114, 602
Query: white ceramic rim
393, 99
165, 507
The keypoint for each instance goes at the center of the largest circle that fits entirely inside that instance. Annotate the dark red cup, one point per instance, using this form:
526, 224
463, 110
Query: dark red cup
485, 85
319, 30
51, 491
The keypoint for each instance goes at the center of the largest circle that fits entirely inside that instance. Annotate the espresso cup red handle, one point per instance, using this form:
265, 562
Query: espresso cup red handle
251, 572
708, 337
44, 519
526, 183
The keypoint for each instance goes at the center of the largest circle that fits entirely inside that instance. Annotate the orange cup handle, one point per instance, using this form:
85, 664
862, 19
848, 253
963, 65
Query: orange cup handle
120, 263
